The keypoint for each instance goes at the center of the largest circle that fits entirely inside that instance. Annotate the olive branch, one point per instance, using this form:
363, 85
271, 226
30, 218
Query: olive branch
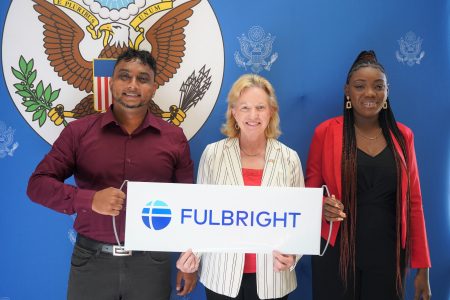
38, 100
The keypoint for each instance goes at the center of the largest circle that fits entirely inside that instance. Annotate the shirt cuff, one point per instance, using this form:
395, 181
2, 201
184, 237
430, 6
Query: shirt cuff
83, 200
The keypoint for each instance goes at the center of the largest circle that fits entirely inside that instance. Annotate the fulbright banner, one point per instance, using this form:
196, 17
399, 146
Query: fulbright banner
219, 218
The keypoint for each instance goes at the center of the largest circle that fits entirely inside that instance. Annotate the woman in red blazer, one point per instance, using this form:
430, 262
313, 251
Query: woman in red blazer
368, 162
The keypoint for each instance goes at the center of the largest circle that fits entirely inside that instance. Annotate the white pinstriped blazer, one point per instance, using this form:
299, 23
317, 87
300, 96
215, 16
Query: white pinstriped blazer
220, 164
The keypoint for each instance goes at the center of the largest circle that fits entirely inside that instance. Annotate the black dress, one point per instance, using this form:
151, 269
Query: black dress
375, 237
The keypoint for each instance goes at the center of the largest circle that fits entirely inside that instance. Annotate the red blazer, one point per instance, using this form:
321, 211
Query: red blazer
324, 167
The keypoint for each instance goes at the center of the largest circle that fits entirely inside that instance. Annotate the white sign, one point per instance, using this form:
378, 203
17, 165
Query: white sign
218, 218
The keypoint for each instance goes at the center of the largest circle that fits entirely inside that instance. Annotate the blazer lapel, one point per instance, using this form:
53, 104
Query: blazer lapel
404, 188
404, 171
337, 153
232, 159
398, 149
272, 155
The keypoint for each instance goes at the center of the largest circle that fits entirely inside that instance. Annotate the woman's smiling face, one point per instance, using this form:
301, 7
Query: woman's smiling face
367, 89
252, 112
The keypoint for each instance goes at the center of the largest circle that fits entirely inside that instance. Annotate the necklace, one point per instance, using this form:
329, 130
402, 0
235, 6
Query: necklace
358, 131
252, 155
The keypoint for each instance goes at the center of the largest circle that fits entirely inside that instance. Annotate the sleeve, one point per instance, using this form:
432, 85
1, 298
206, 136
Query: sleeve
420, 256
46, 185
204, 175
184, 169
314, 176
299, 180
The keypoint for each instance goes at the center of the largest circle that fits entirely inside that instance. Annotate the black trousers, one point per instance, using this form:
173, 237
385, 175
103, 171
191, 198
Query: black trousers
369, 283
100, 276
246, 292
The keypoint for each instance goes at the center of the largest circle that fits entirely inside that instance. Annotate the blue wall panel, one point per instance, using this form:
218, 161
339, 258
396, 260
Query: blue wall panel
316, 42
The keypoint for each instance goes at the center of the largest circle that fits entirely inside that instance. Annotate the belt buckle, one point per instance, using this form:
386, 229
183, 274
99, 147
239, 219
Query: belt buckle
120, 251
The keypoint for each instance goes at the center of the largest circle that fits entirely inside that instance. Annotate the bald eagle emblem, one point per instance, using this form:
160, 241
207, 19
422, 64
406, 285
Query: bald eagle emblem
7, 144
410, 49
256, 48
74, 33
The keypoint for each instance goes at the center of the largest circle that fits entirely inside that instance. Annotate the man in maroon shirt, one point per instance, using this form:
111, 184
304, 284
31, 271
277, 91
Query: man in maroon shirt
102, 151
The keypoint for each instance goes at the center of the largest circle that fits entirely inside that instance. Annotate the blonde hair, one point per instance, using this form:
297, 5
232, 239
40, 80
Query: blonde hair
244, 82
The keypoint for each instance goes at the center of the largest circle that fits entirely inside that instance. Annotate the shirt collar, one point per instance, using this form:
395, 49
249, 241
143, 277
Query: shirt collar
149, 121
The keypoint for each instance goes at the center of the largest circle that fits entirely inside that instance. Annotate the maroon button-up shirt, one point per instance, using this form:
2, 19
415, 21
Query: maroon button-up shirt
100, 154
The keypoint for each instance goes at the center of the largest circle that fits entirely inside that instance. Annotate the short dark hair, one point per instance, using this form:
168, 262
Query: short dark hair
142, 55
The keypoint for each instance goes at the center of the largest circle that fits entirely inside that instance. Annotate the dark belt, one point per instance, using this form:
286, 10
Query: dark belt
93, 245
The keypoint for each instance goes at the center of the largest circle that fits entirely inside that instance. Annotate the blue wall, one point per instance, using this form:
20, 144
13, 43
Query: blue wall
316, 43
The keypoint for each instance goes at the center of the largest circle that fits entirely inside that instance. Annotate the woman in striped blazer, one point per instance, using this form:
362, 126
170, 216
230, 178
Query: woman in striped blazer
250, 155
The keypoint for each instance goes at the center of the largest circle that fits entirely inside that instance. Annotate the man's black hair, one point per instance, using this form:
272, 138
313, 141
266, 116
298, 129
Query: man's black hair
142, 55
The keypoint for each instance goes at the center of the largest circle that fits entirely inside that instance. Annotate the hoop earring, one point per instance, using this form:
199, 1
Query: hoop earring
236, 126
348, 104
385, 106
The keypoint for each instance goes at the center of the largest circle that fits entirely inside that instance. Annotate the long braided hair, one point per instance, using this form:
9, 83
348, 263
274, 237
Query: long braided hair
349, 178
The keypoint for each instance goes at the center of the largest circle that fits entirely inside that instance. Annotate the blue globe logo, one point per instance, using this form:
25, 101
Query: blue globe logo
156, 215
